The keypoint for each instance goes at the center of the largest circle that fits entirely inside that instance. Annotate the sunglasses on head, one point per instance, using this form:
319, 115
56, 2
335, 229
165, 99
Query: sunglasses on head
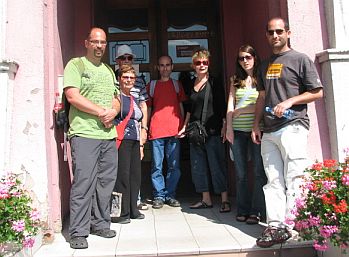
204, 63
247, 57
277, 31
126, 57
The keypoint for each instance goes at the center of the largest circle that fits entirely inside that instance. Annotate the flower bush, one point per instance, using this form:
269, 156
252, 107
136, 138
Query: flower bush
19, 221
321, 213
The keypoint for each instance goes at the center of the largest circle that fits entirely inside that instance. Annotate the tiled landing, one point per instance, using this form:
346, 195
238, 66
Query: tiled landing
179, 232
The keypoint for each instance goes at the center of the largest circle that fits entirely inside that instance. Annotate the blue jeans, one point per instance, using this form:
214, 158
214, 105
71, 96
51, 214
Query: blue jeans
171, 147
206, 161
248, 203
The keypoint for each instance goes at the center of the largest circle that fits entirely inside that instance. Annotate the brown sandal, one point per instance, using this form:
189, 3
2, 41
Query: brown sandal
225, 207
241, 218
273, 235
253, 219
201, 205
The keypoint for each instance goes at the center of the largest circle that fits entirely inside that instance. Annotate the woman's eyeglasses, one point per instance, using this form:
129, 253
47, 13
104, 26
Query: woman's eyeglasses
126, 57
199, 63
128, 77
277, 31
247, 57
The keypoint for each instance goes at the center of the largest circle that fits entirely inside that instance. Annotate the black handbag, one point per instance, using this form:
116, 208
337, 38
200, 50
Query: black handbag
195, 130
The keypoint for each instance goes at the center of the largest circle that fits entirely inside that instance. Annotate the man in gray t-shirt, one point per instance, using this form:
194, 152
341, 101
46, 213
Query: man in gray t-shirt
287, 80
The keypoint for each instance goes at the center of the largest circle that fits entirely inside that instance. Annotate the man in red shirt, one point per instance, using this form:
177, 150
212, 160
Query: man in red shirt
166, 113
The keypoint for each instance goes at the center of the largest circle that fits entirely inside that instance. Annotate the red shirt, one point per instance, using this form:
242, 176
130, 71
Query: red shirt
166, 119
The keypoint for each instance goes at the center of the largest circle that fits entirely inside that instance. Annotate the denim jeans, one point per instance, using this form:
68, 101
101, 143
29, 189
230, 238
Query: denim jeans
170, 146
206, 161
248, 203
284, 155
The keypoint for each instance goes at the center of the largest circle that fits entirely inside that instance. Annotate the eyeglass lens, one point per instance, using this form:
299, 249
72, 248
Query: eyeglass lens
247, 57
204, 63
126, 57
97, 42
128, 77
277, 31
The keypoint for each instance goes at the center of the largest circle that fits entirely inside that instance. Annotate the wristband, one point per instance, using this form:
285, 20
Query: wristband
144, 127
141, 146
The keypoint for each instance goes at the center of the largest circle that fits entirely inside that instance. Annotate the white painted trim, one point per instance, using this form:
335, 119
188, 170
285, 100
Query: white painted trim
334, 66
8, 70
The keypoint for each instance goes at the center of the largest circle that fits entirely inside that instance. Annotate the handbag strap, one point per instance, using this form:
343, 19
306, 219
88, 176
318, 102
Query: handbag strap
204, 108
130, 111
127, 118
244, 98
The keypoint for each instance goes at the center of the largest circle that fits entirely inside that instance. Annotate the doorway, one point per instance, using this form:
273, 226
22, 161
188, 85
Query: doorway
162, 27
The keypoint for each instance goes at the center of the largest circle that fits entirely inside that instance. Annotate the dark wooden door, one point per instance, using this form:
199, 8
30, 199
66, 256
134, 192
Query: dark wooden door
162, 27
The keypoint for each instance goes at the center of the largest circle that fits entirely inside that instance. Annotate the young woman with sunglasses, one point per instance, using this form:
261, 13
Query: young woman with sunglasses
240, 116
209, 159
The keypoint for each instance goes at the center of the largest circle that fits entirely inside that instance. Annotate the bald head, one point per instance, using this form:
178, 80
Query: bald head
94, 31
165, 67
95, 44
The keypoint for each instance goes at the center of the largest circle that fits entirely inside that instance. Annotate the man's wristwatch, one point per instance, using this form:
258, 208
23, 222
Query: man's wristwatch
144, 127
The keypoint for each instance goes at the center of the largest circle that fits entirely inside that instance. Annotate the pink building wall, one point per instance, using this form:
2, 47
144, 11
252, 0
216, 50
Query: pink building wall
42, 48
33, 152
309, 35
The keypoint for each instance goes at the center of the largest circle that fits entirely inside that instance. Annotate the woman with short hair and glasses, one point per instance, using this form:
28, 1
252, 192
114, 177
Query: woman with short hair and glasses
208, 160
240, 116
130, 151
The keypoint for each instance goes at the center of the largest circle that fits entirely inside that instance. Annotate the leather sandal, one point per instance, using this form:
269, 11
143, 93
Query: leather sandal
78, 242
273, 235
225, 207
253, 219
201, 205
241, 218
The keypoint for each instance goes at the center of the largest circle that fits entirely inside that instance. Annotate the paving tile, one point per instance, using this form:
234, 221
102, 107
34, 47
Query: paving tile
215, 238
137, 238
98, 245
59, 247
174, 235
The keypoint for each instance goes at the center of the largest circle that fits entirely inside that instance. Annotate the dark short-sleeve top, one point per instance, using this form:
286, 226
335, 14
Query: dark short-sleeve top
283, 76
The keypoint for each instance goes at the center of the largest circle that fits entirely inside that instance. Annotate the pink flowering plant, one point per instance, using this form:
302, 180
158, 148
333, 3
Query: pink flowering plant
321, 213
19, 221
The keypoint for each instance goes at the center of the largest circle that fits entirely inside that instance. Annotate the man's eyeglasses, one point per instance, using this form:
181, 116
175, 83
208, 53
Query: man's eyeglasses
98, 42
277, 31
204, 63
247, 57
125, 57
128, 77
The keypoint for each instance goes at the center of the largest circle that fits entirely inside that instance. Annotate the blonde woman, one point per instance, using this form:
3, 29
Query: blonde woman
208, 160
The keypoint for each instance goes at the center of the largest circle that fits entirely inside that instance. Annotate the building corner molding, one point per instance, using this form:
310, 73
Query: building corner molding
334, 69
8, 66
332, 55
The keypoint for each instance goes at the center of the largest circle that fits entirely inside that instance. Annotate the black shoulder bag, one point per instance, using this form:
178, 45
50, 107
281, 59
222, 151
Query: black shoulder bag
195, 130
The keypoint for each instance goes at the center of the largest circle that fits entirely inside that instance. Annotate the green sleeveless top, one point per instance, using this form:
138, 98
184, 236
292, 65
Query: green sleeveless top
245, 121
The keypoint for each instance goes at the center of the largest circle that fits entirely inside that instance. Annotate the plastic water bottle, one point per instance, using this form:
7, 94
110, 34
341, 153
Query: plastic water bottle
288, 114
58, 103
